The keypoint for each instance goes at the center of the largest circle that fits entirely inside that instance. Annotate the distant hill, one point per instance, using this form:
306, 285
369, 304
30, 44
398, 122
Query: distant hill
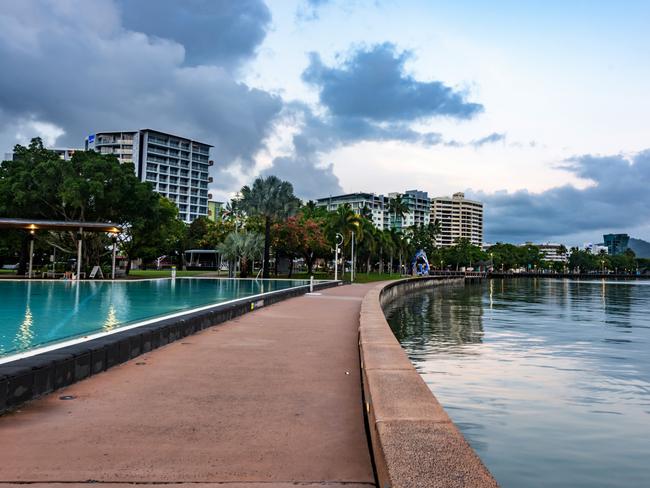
640, 247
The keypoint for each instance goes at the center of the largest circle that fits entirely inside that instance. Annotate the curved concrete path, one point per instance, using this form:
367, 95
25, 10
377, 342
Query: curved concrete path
270, 399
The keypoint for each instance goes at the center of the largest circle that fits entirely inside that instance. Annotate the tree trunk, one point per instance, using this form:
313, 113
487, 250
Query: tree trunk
390, 271
267, 247
368, 265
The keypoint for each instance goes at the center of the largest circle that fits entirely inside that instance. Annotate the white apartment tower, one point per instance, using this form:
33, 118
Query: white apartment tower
177, 167
458, 217
376, 204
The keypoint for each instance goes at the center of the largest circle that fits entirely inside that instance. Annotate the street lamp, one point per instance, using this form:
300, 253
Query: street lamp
31, 252
114, 241
80, 236
339, 241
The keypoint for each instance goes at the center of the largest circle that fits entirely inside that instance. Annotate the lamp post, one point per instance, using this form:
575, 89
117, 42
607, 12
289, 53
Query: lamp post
339, 241
31, 252
80, 235
352, 266
114, 239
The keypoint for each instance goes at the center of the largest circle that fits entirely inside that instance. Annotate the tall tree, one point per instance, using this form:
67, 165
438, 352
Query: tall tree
271, 199
398, 209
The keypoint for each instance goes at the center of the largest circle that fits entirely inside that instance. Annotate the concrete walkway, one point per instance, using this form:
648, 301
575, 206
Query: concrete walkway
270, 399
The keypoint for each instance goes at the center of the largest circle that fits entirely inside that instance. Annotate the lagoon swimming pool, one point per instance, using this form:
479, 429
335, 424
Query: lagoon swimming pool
36, 314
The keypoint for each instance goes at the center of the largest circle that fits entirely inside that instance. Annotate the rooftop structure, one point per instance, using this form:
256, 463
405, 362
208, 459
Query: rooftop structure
176, 167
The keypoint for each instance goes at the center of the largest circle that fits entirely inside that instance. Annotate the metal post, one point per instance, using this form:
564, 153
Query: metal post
114, 251
311, 284
79, 241
31, 253
339, 241
352, 266
336, 263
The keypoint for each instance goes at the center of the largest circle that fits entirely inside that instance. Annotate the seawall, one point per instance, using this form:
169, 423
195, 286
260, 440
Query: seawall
414, 442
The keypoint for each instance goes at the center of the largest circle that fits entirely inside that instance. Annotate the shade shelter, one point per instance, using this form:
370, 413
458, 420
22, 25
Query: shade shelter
32, 225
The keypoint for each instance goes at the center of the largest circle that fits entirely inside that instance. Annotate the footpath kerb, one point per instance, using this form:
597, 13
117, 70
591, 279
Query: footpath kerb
414, 442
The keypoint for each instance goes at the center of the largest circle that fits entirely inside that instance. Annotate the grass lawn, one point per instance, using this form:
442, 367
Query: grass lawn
166, 273
7, 271
358, 278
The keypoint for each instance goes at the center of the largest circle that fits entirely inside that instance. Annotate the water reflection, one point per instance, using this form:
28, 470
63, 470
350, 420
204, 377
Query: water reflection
36, 313
548, 379
25, 334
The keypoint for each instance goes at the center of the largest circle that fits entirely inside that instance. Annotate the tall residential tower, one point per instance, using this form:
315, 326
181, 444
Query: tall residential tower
459, 218
177, 167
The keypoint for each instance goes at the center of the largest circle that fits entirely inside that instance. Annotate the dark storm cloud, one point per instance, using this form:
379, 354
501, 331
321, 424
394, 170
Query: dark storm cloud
372, 84
617, 200
223, 32
368, 98
85, 73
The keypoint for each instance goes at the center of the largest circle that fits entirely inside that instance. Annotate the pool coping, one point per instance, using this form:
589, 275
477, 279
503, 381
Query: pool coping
413, 441
27, 378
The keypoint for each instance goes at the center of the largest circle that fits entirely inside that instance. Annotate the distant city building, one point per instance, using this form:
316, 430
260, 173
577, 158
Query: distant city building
177, 167
595, 248
64, 153
376, 204
553, 252
458, 218
214, 210
616, 243
419, 209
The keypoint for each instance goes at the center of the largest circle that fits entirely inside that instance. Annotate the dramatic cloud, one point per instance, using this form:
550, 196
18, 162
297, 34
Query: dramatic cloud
222, 32
368, 98
616, 200
84, 73
373, 85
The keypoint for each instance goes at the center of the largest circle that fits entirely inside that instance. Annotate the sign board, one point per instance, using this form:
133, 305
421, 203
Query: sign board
91, 138
96, 273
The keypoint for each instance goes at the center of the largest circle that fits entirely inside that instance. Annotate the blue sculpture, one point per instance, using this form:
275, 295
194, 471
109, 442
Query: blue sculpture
420, 264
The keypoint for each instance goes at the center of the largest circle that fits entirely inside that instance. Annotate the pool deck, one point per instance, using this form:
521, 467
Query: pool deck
269, 399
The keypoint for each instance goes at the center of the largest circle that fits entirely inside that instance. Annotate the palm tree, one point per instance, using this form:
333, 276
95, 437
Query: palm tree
386, 245
398, 208
271, 199
241, 246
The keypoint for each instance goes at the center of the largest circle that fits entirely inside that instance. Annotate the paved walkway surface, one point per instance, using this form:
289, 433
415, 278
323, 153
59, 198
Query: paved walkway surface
270, 399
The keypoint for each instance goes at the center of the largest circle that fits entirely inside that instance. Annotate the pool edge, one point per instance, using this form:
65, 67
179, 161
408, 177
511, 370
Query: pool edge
28, 378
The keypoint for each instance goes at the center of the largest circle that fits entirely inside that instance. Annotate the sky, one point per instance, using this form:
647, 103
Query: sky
539, 109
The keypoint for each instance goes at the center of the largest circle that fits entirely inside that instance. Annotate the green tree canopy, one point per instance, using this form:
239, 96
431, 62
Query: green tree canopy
271, 199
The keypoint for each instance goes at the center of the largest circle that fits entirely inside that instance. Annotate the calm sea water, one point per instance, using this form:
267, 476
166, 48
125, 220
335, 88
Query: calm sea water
549, 380
39, 313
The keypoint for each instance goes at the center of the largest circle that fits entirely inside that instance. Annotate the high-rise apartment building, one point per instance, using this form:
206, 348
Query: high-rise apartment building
458, 218
376, 204
177, 167
419, 208
616, 243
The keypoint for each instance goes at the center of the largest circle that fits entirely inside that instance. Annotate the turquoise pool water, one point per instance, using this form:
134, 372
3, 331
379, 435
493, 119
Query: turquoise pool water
40, 313
549, 380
